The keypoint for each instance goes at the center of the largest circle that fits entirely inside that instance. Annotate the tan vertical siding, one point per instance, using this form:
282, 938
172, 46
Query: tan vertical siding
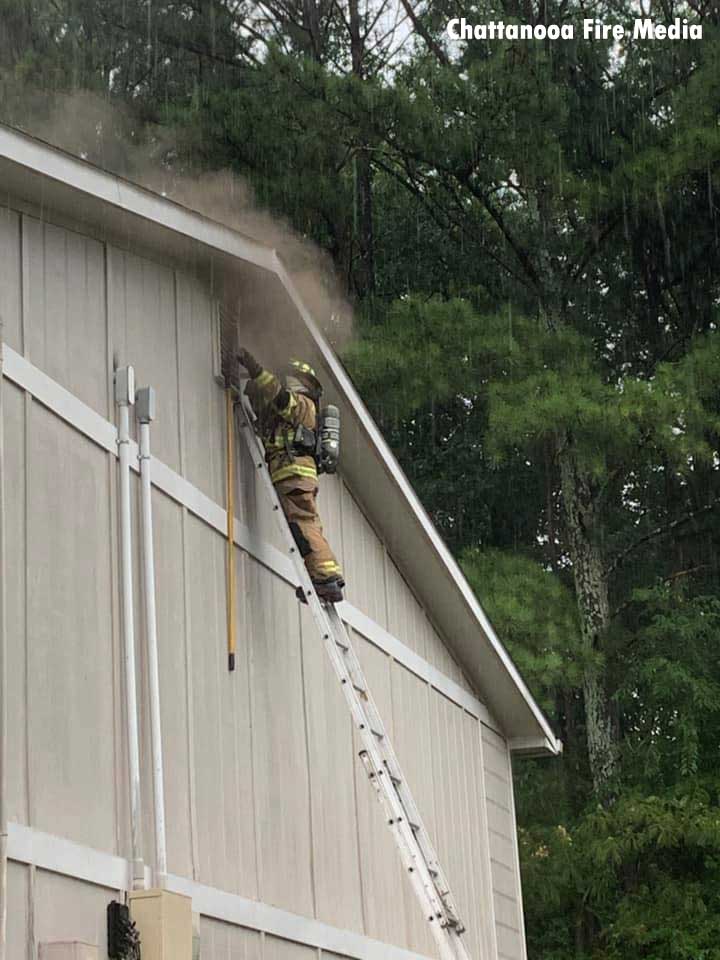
406, 619
67, 909
15, 574
265, 796
215, 762
382, 873
10, 291
64, 309
201, 402
481, 917
282, 804
336, 858
222, 941
414, 744
141, 300
69, 634
251, 502
364, 562
276, 949
503, 849
18, 905
330, 503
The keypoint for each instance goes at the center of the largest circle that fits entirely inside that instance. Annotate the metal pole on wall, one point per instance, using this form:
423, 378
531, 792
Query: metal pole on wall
124, 398
230, 482
3, 684
145, 413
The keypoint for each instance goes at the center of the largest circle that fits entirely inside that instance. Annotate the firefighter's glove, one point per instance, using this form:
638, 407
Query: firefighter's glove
249, 362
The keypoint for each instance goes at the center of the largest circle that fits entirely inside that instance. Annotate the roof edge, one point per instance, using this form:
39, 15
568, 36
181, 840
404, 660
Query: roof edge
46, 160
535, 746
79, 175
394, 469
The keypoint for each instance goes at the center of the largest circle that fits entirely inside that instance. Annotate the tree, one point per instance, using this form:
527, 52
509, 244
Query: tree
552, 161
541, 388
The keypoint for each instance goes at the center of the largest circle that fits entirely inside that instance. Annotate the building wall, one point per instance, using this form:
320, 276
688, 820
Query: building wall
265, 798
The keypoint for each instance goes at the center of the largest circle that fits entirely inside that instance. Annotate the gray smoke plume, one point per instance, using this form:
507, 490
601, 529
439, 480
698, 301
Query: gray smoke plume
106, 135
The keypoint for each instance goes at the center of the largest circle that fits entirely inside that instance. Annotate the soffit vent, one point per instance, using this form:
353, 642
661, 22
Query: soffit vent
227, 344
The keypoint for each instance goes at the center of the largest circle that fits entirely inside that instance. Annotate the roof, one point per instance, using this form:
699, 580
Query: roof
132, 216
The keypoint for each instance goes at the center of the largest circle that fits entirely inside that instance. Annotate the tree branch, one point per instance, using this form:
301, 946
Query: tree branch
658, 532
433, 45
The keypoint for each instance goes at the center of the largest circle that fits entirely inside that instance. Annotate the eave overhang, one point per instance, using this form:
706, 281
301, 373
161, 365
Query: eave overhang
128, 215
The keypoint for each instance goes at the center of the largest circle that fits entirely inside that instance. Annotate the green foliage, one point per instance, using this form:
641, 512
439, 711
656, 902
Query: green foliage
536, 616
644, 874
671, 704
540, 383
604, 882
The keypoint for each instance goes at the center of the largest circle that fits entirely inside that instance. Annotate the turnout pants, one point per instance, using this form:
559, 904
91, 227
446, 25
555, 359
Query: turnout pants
298, 497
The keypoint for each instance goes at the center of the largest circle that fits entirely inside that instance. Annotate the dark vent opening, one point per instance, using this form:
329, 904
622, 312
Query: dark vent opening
229, 346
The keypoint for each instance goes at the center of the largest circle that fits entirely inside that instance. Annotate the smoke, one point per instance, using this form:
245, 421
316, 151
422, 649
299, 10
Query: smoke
227, 198
107, 135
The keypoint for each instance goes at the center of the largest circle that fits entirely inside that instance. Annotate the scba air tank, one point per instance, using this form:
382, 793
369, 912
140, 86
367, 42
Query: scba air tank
329, 439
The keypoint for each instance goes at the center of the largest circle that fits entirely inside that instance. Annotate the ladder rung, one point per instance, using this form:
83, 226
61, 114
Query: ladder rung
378, 733
394, 775
453, 922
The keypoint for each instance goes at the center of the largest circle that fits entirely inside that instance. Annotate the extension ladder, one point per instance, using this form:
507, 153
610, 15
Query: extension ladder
377, 753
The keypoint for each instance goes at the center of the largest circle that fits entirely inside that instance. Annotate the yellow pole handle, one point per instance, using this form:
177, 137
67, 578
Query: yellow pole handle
230, 482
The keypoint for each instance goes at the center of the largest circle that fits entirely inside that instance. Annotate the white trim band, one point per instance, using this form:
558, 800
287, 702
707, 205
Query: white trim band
48, 852
26, 845
92, 425
99, 185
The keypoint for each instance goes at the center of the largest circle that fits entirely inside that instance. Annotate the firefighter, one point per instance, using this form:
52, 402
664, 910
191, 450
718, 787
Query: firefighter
287, 412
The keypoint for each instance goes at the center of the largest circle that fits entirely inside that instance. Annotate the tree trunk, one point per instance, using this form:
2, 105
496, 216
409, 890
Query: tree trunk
365, 271
311, 22
364, 274
579, 510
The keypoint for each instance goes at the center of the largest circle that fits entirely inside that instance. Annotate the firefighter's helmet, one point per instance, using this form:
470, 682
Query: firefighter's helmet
300, 377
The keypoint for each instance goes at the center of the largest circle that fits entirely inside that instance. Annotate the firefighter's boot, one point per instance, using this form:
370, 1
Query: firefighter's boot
330, 590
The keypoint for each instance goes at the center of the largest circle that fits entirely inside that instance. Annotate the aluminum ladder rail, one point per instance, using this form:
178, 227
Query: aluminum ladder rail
377, 753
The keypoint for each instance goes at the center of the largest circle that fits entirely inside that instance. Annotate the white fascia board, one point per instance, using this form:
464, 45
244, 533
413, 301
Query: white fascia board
18, 151
46, 161
535, 746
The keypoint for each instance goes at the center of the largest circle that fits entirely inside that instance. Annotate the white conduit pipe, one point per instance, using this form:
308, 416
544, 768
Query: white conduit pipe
145, 413
3, 687
124, 398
